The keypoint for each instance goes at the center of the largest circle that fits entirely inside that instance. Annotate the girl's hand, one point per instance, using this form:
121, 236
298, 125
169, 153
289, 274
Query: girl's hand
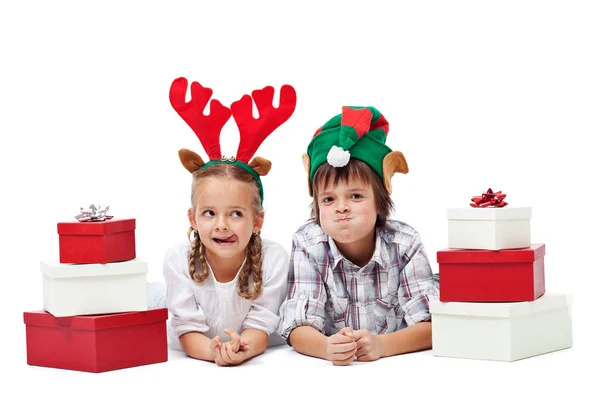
228, 357
341, 347
369, 347
214, 346
237, 343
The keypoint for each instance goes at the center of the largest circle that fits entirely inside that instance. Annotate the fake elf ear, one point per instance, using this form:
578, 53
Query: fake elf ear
306, 162
393, 162
253, 131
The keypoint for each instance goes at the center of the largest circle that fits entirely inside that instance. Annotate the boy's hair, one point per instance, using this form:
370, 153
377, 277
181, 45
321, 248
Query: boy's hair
198, 267
356, 170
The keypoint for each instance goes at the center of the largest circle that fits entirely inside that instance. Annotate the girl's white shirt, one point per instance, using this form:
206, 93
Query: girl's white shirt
210, 307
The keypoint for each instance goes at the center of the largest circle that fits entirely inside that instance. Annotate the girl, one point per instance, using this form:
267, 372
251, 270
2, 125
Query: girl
359, 284
224, 288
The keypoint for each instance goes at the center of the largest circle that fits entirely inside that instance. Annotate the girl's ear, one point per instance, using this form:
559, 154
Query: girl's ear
393, 162
258, 222
261, 165
306, 162
190, 160
192, 219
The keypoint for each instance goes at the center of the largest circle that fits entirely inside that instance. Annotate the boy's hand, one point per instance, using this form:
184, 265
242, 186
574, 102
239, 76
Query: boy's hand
369, 347
341, 347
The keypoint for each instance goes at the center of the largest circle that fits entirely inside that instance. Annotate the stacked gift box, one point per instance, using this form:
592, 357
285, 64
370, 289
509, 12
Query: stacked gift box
95, 316
493, 302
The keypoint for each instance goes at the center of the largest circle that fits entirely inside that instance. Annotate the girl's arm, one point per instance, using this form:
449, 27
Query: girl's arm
188, 319
257, 341
196, 345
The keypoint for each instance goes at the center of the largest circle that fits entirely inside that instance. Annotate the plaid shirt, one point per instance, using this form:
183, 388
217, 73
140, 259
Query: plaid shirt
328, 292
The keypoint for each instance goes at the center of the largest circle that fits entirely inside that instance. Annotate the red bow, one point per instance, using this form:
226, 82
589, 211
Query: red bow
489, 199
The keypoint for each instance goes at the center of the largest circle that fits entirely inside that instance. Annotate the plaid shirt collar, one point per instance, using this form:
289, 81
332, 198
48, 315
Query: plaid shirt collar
377, 257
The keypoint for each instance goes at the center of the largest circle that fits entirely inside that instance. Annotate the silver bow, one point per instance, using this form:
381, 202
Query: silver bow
93, 214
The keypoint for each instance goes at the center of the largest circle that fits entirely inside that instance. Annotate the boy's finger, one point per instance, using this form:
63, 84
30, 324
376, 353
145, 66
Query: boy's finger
360, 334
340, 338
347, 331
345, 361
343, 356
344, 347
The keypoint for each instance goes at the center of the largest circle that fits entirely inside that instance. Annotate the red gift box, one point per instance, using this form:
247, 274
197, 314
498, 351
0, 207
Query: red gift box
99, 242
96, 343
492, 275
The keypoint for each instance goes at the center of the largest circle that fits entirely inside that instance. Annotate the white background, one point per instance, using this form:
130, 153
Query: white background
478, 94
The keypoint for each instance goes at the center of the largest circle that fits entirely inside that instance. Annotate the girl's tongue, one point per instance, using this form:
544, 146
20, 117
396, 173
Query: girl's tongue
227, 240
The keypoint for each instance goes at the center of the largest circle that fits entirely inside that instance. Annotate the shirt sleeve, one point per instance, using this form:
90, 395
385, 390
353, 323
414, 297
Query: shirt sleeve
187, 315
417, 283
263, 311
306, 298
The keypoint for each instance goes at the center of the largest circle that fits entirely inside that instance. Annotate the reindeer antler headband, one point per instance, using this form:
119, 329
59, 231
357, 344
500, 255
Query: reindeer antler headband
252, 131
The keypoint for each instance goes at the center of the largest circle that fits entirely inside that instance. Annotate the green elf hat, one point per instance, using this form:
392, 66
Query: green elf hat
253, 131
358, 132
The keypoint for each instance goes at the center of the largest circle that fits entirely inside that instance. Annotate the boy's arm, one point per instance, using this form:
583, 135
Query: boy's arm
414, 338
340, 348
309, 341
303, 312
417, 284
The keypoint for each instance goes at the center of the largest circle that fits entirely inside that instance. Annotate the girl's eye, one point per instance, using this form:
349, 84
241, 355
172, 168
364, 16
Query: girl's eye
208, 213
327, 200
356, 196
237, 213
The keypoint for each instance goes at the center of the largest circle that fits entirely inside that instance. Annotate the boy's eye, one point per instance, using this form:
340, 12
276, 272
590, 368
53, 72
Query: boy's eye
237, 213
356, 196
327, 200
208, 213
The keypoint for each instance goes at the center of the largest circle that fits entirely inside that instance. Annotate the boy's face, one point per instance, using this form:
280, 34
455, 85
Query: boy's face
347, 211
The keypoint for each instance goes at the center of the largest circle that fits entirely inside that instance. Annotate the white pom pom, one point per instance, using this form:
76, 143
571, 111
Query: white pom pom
338, 157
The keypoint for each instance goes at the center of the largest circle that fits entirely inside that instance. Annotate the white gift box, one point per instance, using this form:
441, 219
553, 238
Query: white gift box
86, 289
501, 331
489, 228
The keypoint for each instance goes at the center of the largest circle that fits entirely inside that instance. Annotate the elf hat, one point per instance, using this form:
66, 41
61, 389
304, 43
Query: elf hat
252, 131
358, 132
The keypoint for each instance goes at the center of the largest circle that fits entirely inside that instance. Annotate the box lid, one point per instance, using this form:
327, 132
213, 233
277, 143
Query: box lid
64, 270
546, 302
95, 322
527, 254
489, 213
96, 228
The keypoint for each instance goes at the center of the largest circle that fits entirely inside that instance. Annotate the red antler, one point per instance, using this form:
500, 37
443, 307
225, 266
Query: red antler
254, 131
207, 127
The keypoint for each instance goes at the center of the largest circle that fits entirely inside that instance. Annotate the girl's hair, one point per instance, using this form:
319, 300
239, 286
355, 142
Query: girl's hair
356, 170
198, 267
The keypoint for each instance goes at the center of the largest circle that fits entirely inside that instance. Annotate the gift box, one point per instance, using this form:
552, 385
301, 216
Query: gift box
489, 228
97, 242
96, 343
501, 331
84, 289
492, 276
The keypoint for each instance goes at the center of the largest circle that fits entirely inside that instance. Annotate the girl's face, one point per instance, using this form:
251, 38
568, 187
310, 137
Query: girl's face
347, 211
225, 217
